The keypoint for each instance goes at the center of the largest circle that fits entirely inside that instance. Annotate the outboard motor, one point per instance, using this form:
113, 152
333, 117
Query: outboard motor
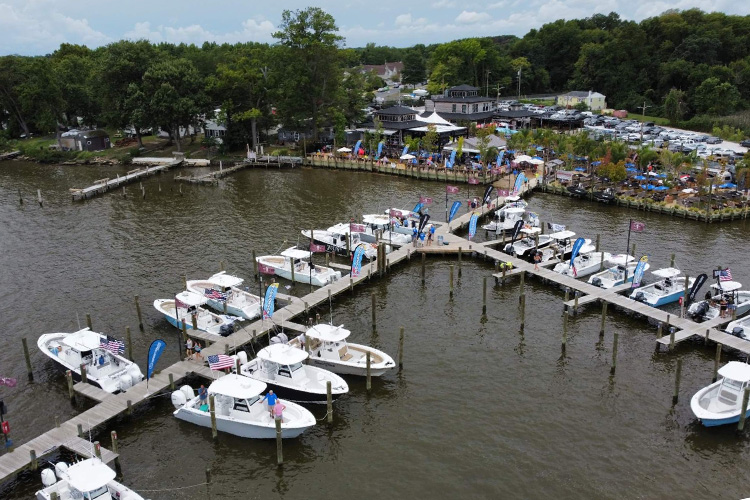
640, 297
135, 373
61, 469
596, 282
48, 477
125, 382
738, 331
281, 338
178, 399
226, 330
188, 392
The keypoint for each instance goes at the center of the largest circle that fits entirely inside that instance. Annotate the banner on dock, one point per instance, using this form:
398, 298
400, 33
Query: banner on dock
154, 353
454, 209
269, 301
380, 150
503, 192
697, 284
473, 225
487, 194
636, 226
423, 221
451, 189
639, 270
417, 208
359, 252
519, 183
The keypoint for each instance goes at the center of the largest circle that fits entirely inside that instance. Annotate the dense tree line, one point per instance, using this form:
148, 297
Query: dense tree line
682, 65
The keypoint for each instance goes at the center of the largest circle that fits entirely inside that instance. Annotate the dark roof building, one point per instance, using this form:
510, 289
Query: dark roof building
462, 103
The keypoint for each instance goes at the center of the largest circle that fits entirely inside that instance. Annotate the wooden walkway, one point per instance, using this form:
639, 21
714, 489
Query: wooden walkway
263, 161
9, 155
105, 185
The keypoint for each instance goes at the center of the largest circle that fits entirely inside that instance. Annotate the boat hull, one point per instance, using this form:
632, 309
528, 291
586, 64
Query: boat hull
359, 368
238, 428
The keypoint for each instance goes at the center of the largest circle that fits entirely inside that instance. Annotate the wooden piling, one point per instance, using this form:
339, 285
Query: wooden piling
194, 319
597, 243
329, 403
604, 319
520, 287
39, 197
88, 321
743, 414
460, 251
221, 265
505, 269
54, 496
523, 311
369, 375
79, 428
374, 323
84, 377
424, 256
565, 332
484, 296
20, 197
717, 360
671, 338
115, 447
33, 462
601, 261
129, 407
279, 450
671, 263
208, 483
171, 382
401, 348
129, 343
57, 421
348, 246
138, 312
633, 251
576, 294
614, 354
351, 285
678, 374
292, 268
255, 266
212, 409
98, 450
683, 302
450, 281
27, 358
69, 378
184, 282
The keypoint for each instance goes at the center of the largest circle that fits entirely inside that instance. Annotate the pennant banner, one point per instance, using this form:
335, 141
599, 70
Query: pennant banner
423, 221
517, 229
269, 301
380, 150
359, 252
356, 147
154, 353
454, 209
417, 208
473, 225
519, 182
406, 150
451, 189
639, 270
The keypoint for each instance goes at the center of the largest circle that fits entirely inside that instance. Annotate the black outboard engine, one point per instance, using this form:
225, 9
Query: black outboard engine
640, 297
226, 330
738, 331
701, 310
596, 282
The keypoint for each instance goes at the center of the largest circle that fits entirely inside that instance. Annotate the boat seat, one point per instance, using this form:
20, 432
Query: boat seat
342, 352
727, 397
346, 357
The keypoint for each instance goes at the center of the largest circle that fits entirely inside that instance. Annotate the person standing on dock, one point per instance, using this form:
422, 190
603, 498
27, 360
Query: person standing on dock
431, 234
198, 348
189, 348
414, 235
537, 260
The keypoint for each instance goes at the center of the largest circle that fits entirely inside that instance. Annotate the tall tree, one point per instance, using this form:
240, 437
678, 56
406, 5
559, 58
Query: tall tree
311, 65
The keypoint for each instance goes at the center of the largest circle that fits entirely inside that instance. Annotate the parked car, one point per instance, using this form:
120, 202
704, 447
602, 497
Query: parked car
745, 143
713, 140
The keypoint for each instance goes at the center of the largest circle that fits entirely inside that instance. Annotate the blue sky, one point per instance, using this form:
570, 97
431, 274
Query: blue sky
32, 27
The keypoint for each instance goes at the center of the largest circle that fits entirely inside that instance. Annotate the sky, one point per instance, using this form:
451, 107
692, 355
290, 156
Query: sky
36, 27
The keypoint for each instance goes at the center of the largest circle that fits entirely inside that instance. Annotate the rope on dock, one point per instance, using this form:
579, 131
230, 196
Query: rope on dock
171, 489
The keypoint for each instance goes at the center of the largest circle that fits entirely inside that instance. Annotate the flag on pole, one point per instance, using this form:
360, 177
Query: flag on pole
473, 225
636, 226
473, 180
220, 361
315, 248
425, 200
266, 269
357, 228
214, 294
112, 344
8, 382
725, 275
179, 303
359, 252
451, 189
555, 227
502, 192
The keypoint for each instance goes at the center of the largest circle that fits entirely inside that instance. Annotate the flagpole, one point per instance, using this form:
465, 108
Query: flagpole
446, 202
627, 250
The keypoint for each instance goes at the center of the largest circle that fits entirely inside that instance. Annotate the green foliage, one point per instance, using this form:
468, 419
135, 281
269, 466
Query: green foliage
615, 172
430, 139
728, 133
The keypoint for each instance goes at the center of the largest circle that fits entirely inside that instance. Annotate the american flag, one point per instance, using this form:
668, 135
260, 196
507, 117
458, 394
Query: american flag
214, 294
725, 275
451, 189
220, 361
112, 344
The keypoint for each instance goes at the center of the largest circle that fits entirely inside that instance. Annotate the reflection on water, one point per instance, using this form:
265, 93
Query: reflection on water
480, 407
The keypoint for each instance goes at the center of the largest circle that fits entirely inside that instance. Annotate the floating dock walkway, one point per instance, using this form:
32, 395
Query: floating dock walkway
264, 161
104, 185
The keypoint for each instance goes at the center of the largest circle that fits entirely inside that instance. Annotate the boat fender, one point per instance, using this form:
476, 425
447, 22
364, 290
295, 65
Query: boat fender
178, 399
61, 469
48, 477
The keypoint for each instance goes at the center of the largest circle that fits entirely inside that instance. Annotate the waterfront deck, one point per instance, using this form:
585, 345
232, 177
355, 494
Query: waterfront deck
102, 186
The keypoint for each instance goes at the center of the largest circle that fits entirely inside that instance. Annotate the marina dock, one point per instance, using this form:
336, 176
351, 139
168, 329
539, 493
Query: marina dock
102, 186
264, 161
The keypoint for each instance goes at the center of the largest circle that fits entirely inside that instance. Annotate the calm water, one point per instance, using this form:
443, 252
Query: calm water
479, 410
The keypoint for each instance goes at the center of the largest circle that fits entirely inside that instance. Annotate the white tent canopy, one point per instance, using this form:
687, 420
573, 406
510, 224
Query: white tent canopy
434, 119
344, 150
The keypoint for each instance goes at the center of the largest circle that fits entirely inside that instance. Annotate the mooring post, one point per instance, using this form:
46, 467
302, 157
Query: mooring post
523, 311
113, 435
633, 251
20, 197
184, 282
505, 269
484, 296
659, 329
79, 428
84, 377
520, 288
138, 312
129, 405
292, 268
171, 382
279, 450
374, 327
351, 284
69, 378
329, 402
597, 243
671, 338
565, 301
194, 319
221, 265
255, 266
705, 339
39, 197
369, 375
614, 354
33, 461
401, 348
98, 450
208, 483
565, 332
743, 415
676, 395
717, 360
26, 356
88, 321
450, 281
348, 246
129, 342
604, 319
684, 295
212, 409
460, 250
327, 259
576, 294
671, 264
57, 421
424, 256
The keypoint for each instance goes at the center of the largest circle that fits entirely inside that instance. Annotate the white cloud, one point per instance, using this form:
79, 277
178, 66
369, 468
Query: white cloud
253, 30
471, 17
443, 4
403, 20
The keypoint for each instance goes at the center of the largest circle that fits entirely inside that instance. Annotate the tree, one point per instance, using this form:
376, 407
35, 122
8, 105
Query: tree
484, 138
175, 96
430, 139
310, 60
715, 97
674, 105
415, 65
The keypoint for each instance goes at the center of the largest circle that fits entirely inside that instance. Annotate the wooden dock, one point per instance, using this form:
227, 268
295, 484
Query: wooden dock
102, 186
263, 161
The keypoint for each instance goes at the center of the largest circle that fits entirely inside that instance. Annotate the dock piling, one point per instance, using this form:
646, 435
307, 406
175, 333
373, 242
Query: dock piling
98, 450
601, 261
484, 296
88, 321
279, 450
20, 197
208, 483
523, 311
171, 382
743, 414
671, 264
26, 356
113, 435
671, 338
369, 375
129, 342
460, 251
717, 360
39, 197
565, 333
597, 242
424, 256
521, 286
71, 392
614, 354
684, 294
255, 266
34, 463
374, 323
633, 251
84, 377
138, 312
576, 294
401, 349
212, 409
604, 320
194, 319
678, 374
329, 402
79, 428
450, 282
129, 405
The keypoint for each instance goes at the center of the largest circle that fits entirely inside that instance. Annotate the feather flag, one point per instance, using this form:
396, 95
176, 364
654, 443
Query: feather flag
487, 195
359, 252
473, 225
574, 253
155, 351
417, 208
380, 150
268, 302
454, 209
639, 270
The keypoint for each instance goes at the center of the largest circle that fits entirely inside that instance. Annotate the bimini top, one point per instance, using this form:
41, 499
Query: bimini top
328, 333
341, 228
621, 259
191, 298
562, 235
727, 286
512, 198
667, 272
82, 340
237, 386
531, 230
282, 354
735, 370
89, 475
296, 253
514, 210
225, 280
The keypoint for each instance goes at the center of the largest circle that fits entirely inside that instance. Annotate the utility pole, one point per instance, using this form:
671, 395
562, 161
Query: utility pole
644, 117
519, 83
487, 82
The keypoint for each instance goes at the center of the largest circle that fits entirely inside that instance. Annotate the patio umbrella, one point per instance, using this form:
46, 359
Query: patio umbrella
536, 157
639, 178
407, 156
661, 176
523, 158
630, 164
536, 161
661, 188
580, 169
596, 163
728, 185
344, 150
630, 169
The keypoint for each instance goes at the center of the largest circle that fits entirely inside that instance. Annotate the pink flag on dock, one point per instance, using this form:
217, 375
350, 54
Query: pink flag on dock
473, 180
451, 189
317, 248
265, 269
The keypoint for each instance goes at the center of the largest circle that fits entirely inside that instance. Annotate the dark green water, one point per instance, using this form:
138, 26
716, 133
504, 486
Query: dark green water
480, 409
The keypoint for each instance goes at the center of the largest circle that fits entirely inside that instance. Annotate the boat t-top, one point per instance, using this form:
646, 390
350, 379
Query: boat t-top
334, 238
584, 264
329, 350
240, 410
382, 223
723, 293
294, 264
615, 275
561, 244
506, 218
189, 309
280, 366
88, 479
521, 248
223, 290
669, 289
104, 368
721, 402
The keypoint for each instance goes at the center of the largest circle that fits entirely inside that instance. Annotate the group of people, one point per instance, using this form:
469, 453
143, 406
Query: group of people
193, 348
418, 237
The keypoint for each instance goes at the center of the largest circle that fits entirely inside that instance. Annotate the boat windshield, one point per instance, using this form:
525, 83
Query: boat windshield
295, 367
102, 492
732, 384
